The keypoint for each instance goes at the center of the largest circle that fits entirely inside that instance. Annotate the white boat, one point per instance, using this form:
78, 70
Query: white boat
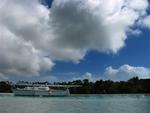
40, 91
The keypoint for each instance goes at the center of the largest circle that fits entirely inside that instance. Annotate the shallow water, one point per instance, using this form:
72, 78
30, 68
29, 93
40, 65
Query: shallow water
76, 104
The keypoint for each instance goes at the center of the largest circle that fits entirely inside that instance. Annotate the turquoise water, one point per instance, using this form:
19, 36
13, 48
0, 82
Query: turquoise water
76, 104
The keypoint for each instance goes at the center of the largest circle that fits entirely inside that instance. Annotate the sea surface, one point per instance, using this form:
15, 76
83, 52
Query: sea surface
139, 103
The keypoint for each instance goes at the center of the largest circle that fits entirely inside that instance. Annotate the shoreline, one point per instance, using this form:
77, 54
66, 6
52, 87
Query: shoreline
12, 94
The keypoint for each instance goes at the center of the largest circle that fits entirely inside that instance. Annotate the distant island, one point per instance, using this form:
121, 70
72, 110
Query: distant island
132, 86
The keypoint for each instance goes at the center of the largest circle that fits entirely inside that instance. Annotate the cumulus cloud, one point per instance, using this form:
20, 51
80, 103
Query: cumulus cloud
86, 75
123, 73
146, 22
32, 36
126, 72
22, 28
101, 25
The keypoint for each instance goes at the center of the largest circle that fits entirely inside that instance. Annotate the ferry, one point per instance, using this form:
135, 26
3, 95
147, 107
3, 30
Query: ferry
43, 90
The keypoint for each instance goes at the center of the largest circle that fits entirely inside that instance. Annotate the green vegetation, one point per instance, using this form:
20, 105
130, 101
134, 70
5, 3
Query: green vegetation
134, 85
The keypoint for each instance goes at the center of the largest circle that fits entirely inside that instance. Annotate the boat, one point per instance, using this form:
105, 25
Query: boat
42, 90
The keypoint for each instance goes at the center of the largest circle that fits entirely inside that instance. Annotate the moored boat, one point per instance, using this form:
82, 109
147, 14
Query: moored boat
42, 90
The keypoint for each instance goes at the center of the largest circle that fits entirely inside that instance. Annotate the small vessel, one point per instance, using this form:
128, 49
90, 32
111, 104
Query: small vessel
42, 90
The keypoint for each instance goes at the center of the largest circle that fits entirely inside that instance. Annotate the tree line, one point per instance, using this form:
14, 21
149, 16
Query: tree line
133, 85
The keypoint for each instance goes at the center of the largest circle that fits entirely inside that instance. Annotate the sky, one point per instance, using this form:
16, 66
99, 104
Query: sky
65, 40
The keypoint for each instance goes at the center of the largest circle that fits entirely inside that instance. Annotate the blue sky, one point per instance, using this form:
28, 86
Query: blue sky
68, 40
135, 53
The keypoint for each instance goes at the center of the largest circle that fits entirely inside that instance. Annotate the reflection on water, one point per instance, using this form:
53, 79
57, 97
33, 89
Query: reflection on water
76, 104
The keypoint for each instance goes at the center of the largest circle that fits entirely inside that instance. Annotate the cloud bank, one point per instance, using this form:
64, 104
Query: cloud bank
122, 73
126, 72
32, 36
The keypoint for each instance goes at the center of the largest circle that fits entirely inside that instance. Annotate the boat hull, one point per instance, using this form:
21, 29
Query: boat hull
22, 92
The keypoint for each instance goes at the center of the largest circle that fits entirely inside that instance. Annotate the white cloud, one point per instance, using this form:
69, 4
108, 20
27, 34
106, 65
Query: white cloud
22, 28
101, 25
32, 36
126, 72
146, 22
87, 75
